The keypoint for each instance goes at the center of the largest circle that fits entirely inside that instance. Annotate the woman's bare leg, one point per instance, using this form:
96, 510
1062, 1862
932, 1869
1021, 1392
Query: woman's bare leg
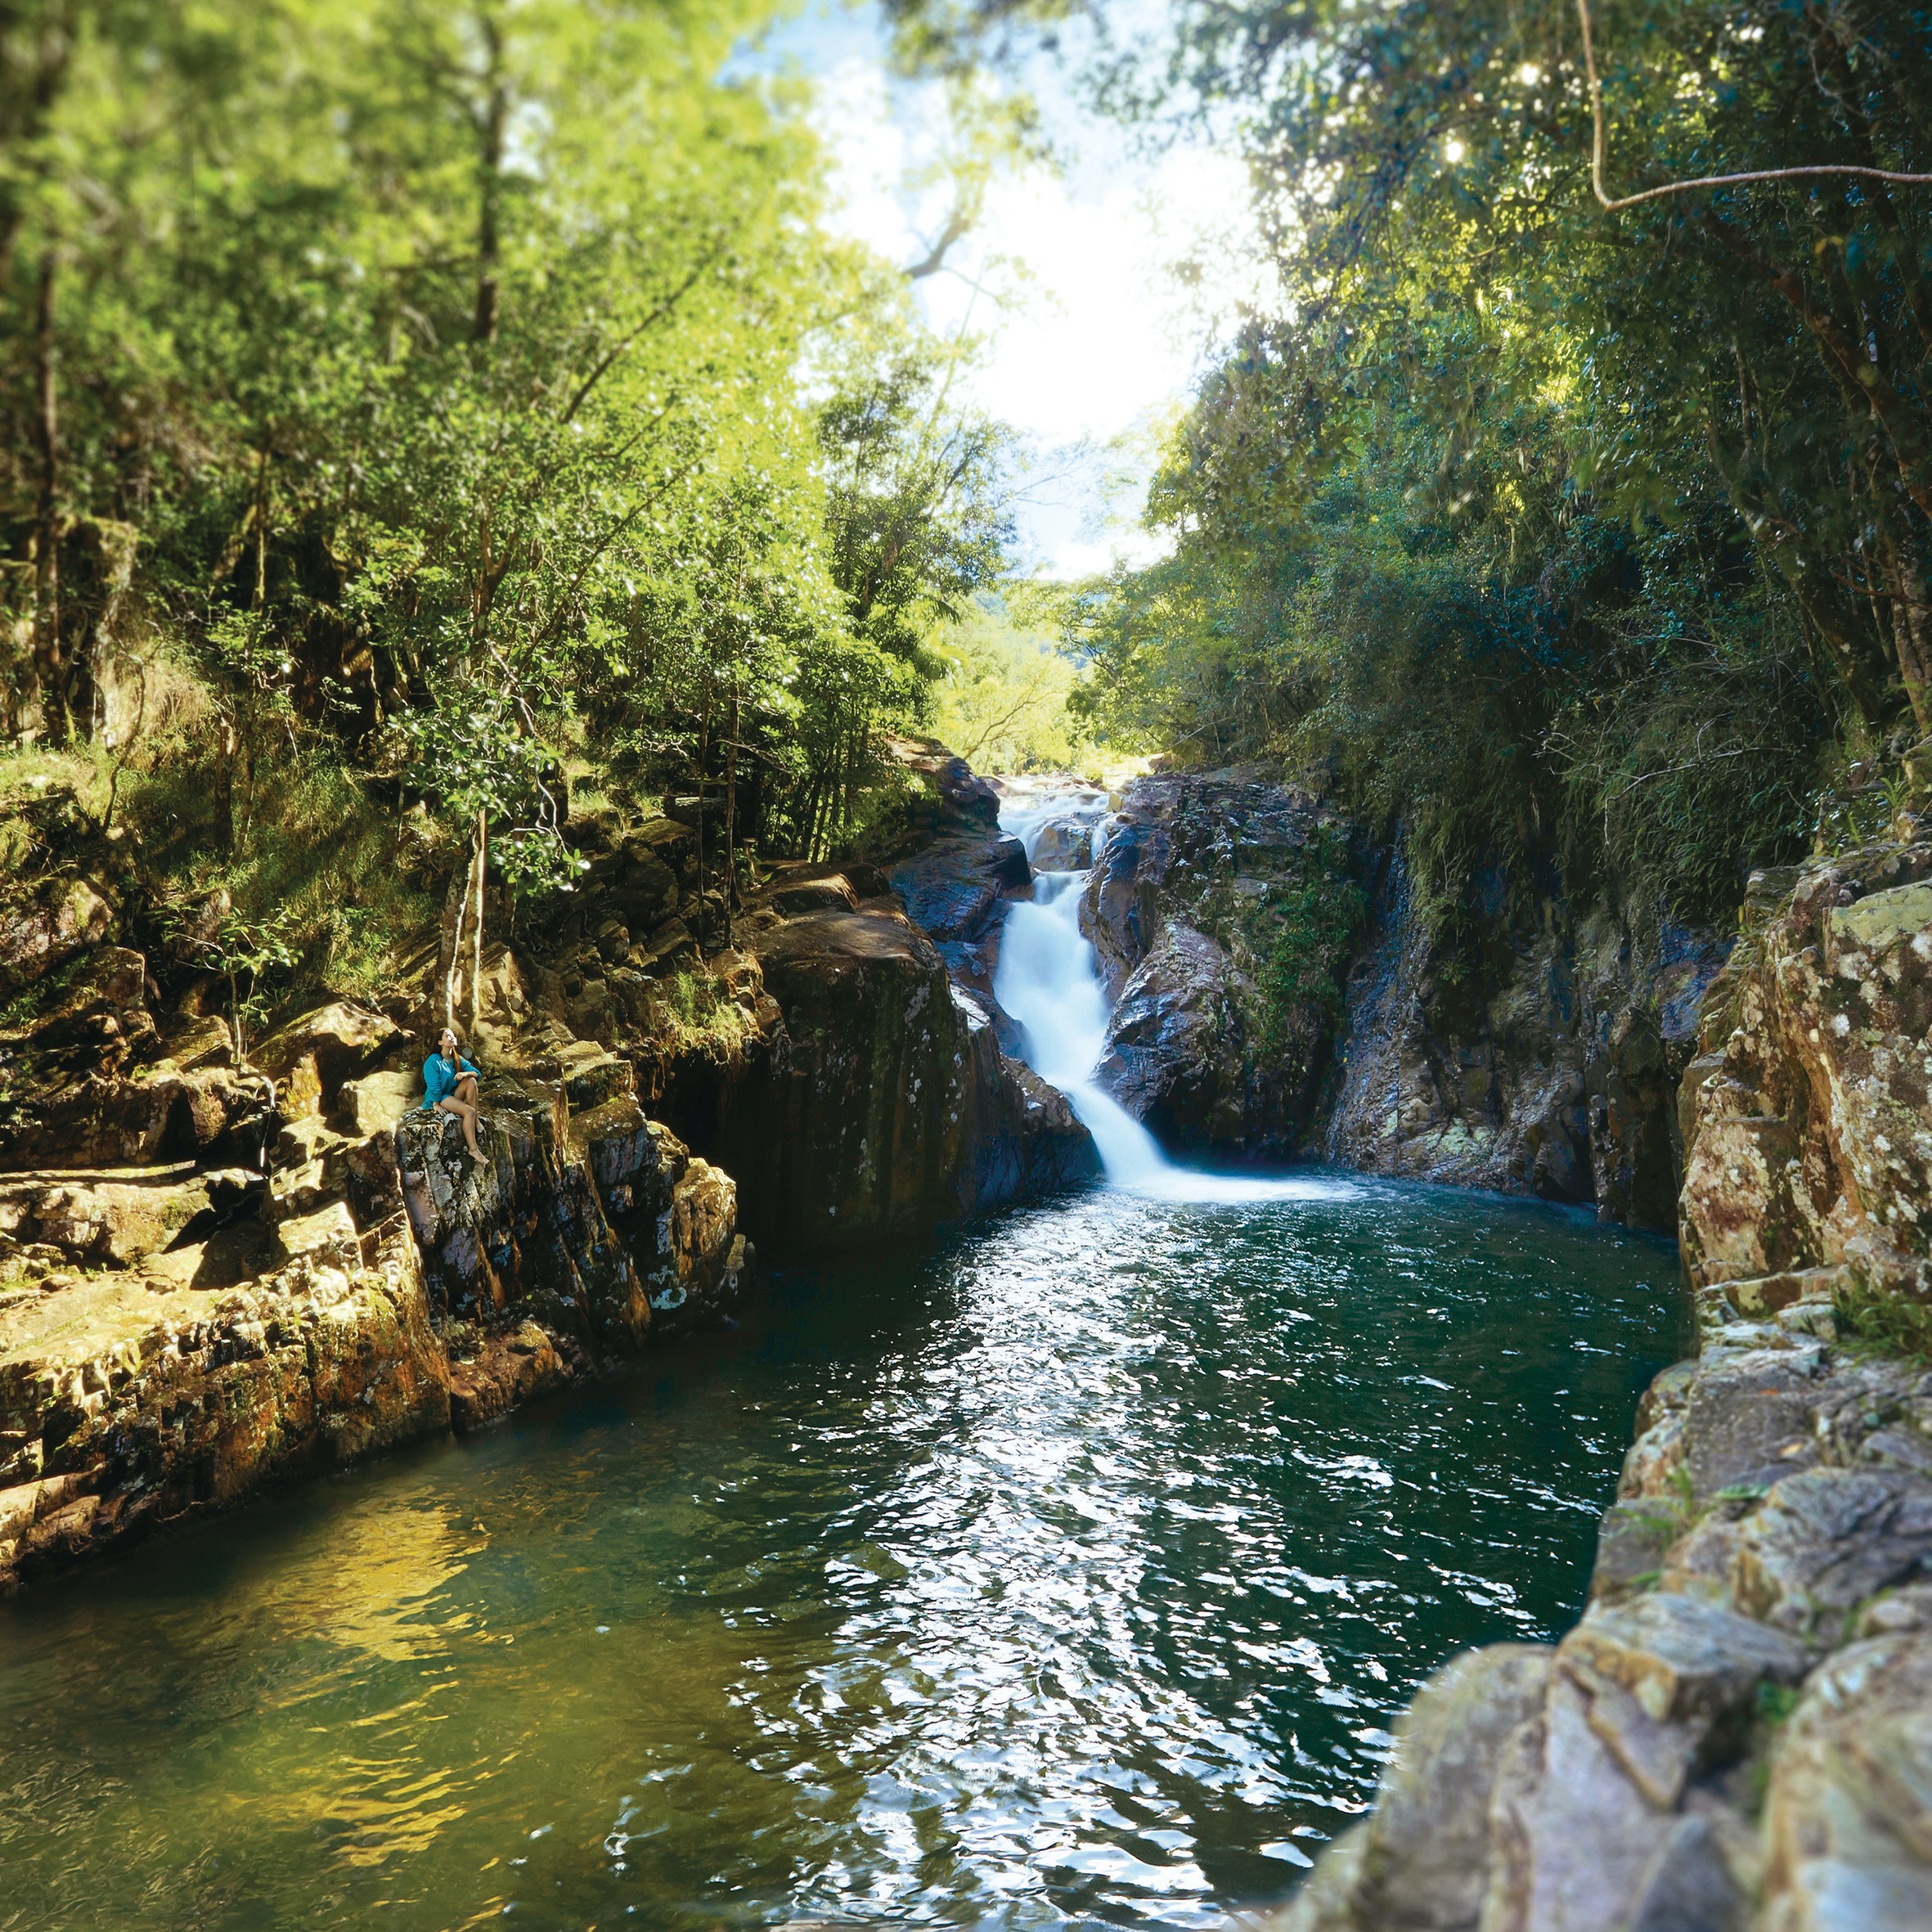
467, 1115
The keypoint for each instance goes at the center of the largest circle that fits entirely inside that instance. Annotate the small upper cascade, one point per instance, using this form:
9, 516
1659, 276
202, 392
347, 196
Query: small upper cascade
1058, 819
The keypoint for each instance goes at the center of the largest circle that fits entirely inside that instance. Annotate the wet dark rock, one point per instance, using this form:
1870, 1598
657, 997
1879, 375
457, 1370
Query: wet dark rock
1182, 906
882, 1105
1179, 1056
952, 888
1548, 1066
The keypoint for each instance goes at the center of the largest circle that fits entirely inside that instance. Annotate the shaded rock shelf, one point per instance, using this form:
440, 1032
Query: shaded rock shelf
216, 1276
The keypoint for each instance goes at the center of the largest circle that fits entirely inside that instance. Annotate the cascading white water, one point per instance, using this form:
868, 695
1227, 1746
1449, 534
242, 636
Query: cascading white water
1048, 981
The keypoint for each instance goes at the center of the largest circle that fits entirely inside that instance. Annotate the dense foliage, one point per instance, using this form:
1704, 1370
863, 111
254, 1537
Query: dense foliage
450, 400
1587, 544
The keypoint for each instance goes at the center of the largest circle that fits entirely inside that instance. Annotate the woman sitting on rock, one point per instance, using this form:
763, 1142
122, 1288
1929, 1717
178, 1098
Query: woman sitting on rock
449, 1086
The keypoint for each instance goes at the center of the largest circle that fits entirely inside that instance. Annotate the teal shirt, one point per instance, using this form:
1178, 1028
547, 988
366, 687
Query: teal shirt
440, 1078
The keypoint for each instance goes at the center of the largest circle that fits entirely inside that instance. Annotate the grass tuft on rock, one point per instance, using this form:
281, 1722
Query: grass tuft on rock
1885, 1323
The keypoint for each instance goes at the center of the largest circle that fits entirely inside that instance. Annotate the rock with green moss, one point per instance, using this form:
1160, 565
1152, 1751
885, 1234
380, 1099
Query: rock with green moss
1809, 1111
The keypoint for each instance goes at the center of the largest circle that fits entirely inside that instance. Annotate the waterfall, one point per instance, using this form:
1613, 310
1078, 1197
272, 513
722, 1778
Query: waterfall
1048, 983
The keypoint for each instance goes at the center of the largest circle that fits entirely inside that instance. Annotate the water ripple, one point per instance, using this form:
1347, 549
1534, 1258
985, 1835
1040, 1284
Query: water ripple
1071, 1573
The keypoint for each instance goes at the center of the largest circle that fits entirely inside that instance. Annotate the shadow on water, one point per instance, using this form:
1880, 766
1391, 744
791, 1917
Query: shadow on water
1070, 1570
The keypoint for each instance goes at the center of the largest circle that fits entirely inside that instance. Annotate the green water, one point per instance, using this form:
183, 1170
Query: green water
1072, 1572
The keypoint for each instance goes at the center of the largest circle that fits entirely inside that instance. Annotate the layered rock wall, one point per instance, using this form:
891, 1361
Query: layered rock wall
212, 1279
1737, 1737
1547, 1065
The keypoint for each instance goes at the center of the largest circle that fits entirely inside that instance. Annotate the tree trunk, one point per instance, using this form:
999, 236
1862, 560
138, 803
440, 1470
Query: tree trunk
455, 917
730, 815
50, 674
1911, 620
489, 245
482, 869
704, 749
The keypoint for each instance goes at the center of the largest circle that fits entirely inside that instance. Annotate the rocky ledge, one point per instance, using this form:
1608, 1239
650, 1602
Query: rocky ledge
1737, 1737
1739, 1732
176, 1335
215, 1274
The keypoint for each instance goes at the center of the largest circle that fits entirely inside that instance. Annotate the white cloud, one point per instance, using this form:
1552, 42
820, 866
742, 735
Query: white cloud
1135, 549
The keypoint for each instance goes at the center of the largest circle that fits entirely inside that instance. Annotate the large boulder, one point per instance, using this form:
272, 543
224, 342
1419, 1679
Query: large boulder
49, 925
311, 1056
1180, 1057
94, 1007
1194, 878
877, 1103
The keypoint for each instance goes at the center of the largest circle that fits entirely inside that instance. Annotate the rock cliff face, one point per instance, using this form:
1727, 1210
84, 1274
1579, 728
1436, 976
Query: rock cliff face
215, 1279
174, 1335
1187, 891
1737, 1737
1548, 1068
1808, 1109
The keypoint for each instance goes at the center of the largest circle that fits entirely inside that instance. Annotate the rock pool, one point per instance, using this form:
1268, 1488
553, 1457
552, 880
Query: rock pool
1068, 1572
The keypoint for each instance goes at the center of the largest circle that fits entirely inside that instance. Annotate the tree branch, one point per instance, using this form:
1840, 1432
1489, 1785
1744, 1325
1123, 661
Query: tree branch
657, 315
1835, 170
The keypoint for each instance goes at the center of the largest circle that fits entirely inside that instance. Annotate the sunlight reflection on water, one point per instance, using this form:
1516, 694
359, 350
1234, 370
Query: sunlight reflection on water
1072, 1572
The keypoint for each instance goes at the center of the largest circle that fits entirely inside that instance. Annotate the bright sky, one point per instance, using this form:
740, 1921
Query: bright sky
1093, 341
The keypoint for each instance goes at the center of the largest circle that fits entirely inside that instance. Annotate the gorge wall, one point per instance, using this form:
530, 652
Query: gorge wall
1738, 1733
1546, 1063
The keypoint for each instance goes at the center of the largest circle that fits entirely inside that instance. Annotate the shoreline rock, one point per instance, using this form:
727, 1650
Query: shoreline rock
1738, 1736
213, 1278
